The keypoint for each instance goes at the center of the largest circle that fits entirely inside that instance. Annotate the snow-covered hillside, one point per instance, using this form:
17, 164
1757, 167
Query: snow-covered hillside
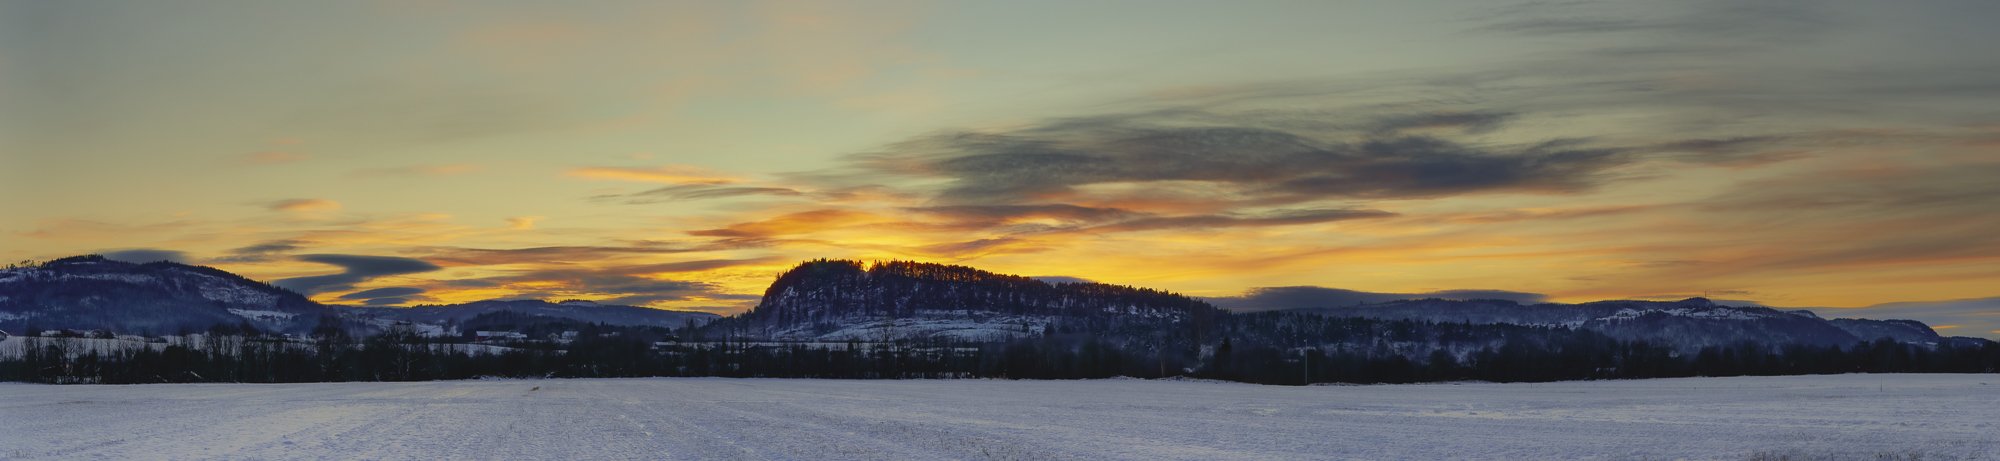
954, 325
1803, 417
1690, 324
162, 298
93, 293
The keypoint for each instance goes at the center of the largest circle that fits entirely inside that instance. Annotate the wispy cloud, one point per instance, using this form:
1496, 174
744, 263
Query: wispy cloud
613, 284
354, 269
262, 252
1250, 157
387, 296
303, 205
549, 254
671, 174
1304, 297
522, 222
1703, 20
701, 192
793, 223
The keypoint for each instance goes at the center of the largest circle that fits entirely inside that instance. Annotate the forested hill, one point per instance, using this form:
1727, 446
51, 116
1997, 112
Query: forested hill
93, 293
1688, 324
839, 299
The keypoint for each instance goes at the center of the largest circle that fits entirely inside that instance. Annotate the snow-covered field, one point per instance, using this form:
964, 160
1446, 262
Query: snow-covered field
1806, 417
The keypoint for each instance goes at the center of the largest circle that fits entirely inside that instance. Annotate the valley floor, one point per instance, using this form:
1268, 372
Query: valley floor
1811, 417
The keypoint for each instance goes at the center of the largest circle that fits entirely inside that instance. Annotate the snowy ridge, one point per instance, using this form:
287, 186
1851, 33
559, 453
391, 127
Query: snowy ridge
227, 291
1719, 313
1689, 324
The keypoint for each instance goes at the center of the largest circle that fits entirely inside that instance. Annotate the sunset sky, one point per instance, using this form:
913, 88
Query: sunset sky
1821, 154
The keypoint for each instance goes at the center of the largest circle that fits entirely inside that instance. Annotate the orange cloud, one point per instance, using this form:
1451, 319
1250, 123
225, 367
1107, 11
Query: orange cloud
789, 224
522, 222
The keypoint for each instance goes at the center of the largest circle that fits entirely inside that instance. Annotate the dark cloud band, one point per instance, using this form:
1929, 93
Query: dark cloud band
1306, 297
355, 269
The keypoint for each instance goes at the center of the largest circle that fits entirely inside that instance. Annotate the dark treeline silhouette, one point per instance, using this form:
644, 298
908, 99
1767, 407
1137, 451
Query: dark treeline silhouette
823, 291
1249, 352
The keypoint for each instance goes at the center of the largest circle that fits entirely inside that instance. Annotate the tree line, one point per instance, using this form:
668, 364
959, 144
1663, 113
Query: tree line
330, 355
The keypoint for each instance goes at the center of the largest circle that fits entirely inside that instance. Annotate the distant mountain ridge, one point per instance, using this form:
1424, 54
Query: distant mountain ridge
1690, 323
94, 293
91, 292
579, 310
839, 300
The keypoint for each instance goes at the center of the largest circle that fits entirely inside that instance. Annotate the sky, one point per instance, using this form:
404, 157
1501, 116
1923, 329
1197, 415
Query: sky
1817, 154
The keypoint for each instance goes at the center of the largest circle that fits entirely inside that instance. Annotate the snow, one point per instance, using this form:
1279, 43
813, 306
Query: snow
127, 278
1707, 313
225, 291
1813, 417
421, 329
269, 316
14, 346
473, 349
958, 325
210, 286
